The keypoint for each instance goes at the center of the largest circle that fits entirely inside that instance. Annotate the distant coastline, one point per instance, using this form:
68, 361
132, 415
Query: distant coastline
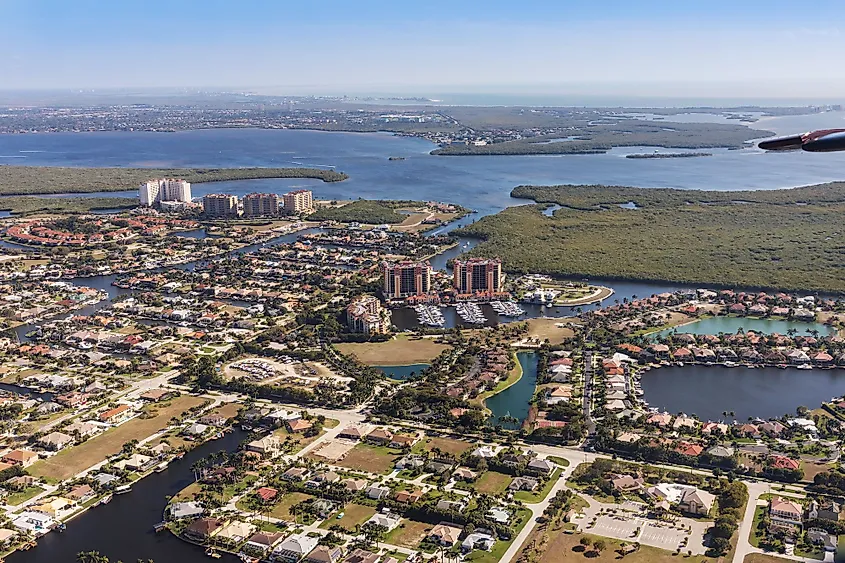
669, 155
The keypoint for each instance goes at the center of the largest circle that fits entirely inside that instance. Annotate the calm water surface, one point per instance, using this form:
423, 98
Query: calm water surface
402, 372
730, 325
514, 400
707, 391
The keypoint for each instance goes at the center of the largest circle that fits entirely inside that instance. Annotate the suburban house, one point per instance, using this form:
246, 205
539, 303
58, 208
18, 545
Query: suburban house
55, 441
380, 436
54, 506
23, 458
523, 484
155, 395
268, 446
464, 474
324, 554
295, 474
84, 429
235, 532
785, 515
824, 510
540, 467
400, 441
481, 539
298, 425
445, 534
294, 548
80, 493
627, 483
203, 529
182, 510
377, 493
261, 542
116, 415
361, 556
408, 497
389, 520
351, 433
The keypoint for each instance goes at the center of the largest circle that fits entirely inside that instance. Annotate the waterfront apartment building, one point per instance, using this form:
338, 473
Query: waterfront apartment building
220, 205
261, 205
478, 275
153, 192
366, 315
298, 201
404, 279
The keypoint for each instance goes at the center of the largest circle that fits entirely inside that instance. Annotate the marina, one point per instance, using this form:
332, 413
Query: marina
507, 308
471, 313
430, 315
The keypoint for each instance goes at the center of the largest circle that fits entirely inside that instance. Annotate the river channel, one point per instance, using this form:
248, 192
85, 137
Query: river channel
123, 529
515, 400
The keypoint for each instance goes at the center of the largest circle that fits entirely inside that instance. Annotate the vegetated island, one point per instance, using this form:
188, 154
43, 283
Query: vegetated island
392, 158
27, 205
31, 180
384, 212
774, 239
669, 155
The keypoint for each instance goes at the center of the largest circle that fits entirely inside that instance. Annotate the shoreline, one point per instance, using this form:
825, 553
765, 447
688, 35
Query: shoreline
482, 399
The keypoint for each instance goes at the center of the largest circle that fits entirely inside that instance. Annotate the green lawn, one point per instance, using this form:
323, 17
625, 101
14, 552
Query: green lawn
759, 514
563, 462
492, 482
281, 509
353, 514
15, 499
373, 459
408, 534
532, 497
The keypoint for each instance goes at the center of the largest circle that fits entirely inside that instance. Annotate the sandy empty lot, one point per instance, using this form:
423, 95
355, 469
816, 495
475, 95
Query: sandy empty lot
398, 351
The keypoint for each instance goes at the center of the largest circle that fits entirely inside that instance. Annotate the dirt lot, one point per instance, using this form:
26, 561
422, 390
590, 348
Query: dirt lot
73, 460
229, 410
408, 534
364, 457
401, 350
547, 328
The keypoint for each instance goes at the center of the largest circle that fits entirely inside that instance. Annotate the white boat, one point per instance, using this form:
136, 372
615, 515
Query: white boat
161, 467
804, 366
123, 489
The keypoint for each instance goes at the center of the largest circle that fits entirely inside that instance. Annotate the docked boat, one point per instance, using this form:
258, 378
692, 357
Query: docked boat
507, 308
122, 490
430, 315
161, 467
160, 526
804, 366
106, 499
470, 313
211, 552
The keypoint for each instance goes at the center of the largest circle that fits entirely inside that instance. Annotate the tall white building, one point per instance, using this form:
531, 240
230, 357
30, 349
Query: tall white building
165, 189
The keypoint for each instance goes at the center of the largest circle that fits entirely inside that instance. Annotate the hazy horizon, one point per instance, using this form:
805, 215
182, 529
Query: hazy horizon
752, 50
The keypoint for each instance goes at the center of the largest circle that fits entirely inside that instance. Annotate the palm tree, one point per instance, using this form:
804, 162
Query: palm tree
91, 557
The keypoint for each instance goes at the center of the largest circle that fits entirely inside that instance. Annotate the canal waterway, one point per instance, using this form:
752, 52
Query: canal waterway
123, 529
515, 400
401, 373
730, 325
707, 391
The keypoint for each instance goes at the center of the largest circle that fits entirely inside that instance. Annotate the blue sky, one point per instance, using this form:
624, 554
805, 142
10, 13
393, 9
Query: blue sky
332, 46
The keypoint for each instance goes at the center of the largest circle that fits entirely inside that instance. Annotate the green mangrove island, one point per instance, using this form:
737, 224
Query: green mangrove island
790, 239
32, 180
24, 205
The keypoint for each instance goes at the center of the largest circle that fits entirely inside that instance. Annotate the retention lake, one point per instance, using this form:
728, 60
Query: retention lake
707, 391
730, 325
514, 401
402, 372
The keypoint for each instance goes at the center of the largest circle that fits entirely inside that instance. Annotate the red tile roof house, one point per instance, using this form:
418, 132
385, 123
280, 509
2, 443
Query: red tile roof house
783, 462
298, 425
266, 493
24, 458
116, 415
380, 436
692, 450
737, 309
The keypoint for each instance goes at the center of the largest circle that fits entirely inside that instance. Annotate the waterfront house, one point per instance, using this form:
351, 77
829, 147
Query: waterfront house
659, 419
445, 534
294, 548
213, 419
682, 354
136, 462
711, 427
23, 458
235, 532
737, 309
35, 523
798, 358
183, 510
324, 554
785, 515
748, 429
261, 542
54, 506
682, 422
268, 446
822, 359
772, 427
6, 537
105, 480
203, 529
55, 441
80, 493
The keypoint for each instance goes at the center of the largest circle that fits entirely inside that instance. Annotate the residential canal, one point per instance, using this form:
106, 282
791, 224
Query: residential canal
730, 325
401, 373
123, 529
707, 391
514, 401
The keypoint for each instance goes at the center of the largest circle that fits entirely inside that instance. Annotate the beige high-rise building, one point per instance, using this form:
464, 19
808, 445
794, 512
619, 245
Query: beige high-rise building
298, 201
404, 279
220, 205
153, 192
261, 205
478, 275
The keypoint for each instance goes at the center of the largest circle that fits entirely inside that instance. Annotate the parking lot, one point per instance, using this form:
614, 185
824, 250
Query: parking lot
631, 526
